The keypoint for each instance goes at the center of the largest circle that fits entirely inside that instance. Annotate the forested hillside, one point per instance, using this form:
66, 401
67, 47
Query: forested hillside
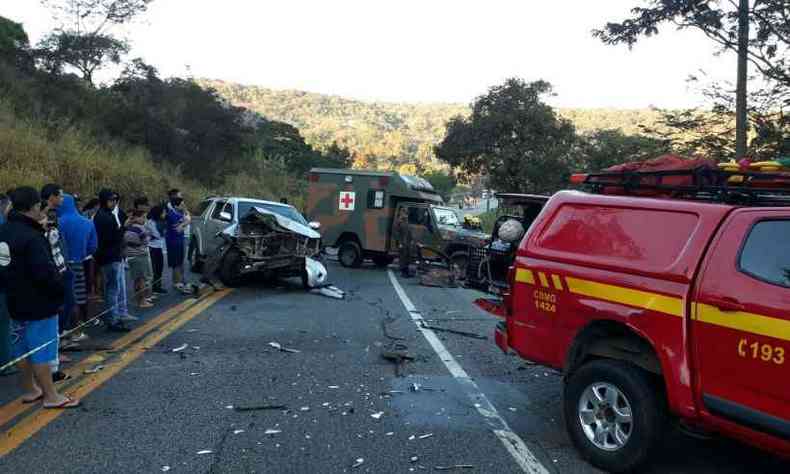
392, 134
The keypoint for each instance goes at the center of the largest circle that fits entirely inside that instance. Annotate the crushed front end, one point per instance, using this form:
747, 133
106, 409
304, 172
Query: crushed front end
269, 242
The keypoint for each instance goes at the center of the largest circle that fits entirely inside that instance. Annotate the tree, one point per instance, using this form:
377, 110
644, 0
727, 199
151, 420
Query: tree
92, 17
84, 41
86, 53
13, 40
442, 182
514, 138
727, 23
605, 148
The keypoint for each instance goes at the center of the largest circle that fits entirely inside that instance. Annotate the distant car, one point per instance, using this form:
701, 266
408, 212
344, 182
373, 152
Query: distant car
256, 237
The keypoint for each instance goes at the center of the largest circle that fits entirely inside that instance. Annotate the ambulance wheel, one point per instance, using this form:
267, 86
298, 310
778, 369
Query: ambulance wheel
383, 260
614, 413
350, 254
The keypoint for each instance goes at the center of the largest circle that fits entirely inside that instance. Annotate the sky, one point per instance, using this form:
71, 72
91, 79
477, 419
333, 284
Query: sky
414, 50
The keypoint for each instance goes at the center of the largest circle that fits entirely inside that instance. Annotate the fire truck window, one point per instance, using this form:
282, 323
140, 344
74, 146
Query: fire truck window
766, 253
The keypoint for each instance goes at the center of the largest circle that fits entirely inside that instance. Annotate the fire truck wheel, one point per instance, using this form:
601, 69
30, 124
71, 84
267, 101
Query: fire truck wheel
350, 254
615, 414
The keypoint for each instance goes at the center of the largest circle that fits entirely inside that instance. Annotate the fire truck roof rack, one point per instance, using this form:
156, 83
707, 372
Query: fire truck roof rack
743, 188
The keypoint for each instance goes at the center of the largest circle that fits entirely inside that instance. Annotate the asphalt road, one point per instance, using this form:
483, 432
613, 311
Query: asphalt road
345, 404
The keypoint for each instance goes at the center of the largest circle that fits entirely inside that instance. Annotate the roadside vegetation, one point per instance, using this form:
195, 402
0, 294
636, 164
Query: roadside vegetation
140, 133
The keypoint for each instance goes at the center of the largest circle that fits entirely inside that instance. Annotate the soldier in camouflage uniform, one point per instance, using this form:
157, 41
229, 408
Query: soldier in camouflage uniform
403, 239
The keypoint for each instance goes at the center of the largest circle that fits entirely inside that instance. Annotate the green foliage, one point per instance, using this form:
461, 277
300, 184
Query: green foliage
513, 138
443, 183
13, 40
85, 52
377, 135
141, 134
487, 221
606, 148
391, 135
769, 51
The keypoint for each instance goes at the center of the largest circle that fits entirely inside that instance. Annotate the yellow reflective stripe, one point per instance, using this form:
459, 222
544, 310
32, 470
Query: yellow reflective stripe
742, 321
618, 294
557, 282
543, 280
525, 276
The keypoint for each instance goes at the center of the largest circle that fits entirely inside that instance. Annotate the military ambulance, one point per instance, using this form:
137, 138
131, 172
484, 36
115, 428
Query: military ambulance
357, 208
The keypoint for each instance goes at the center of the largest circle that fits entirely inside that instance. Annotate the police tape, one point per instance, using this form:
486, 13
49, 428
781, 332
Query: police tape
13, 362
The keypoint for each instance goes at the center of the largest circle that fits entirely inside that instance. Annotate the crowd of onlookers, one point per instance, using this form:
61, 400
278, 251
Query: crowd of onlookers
59, 255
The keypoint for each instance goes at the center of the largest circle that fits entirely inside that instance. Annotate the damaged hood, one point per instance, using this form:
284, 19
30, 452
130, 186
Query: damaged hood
274, 220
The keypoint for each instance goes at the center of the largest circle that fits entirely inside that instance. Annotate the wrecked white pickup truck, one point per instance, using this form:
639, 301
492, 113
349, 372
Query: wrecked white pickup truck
234, 237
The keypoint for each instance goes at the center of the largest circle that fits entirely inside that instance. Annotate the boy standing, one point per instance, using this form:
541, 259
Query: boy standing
136, 239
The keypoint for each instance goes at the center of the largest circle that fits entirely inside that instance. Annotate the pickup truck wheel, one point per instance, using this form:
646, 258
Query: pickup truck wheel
230, 269
195, 262
614, 413
350, 254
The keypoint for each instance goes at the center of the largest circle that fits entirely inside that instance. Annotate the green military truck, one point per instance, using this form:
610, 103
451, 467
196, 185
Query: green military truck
357, 209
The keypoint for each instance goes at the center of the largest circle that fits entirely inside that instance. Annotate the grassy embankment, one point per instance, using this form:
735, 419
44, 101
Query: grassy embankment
34, 154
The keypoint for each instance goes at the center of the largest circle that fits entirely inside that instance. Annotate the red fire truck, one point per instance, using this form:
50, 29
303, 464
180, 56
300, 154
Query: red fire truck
660, 295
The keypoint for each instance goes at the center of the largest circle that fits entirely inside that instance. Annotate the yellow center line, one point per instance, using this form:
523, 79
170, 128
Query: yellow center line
40, 418
16, 408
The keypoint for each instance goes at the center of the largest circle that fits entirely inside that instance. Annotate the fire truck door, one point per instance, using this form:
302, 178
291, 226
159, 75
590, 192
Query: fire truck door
741, 322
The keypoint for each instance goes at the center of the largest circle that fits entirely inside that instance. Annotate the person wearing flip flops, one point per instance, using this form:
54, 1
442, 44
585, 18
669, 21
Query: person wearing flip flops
136, 239
35, 291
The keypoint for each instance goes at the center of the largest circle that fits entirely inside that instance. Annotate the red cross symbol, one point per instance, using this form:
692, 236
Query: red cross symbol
347, 201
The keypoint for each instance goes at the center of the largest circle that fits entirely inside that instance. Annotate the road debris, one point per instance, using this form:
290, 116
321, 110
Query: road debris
260, 407
94, 369
357, 463
399, 357
272, 432
453, 331
205, 451
280, 348
451, 468
426, 436
329, 291
377, 415
180, 348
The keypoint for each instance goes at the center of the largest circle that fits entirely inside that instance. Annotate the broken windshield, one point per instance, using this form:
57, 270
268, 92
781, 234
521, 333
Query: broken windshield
285, 211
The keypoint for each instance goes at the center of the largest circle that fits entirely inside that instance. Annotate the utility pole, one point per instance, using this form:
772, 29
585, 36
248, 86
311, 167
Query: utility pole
741, 116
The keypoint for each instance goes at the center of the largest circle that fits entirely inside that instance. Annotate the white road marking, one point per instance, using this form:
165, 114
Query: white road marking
513, 443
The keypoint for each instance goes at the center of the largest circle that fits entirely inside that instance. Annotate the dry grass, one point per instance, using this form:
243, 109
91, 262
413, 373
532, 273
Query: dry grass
33, 154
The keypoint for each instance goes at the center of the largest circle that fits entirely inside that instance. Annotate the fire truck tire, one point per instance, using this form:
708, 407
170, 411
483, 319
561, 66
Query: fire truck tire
350, 254
615, 413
